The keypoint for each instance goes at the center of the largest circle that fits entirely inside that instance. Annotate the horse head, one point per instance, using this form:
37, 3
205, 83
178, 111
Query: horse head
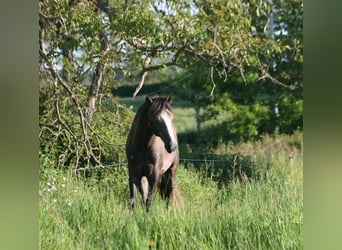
160, 118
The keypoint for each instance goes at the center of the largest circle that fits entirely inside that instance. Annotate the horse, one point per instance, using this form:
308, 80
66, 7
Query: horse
152, 152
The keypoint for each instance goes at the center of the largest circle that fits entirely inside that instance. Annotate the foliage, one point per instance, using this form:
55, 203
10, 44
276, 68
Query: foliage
93, 213
61, 135
74, 81
228, 50
253, 104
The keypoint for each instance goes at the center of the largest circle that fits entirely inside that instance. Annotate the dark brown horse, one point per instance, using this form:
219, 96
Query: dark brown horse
152, 151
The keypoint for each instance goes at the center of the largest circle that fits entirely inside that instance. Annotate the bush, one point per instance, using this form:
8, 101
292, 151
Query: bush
62, 137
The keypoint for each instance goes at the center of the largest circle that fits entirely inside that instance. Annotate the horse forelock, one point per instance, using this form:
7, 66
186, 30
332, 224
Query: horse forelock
158, 105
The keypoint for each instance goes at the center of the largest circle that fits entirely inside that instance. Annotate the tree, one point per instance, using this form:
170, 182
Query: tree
73, 36
255, 103
84, 44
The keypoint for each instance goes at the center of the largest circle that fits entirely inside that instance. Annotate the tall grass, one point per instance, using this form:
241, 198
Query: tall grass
91, 213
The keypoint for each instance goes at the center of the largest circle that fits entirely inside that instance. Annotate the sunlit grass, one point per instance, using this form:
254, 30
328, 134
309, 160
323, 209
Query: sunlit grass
78, 213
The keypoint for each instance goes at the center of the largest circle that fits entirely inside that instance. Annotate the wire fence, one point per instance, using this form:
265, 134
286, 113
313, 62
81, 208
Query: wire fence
121, 164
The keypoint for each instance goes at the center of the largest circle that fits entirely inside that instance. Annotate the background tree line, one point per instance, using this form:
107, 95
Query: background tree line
238, 59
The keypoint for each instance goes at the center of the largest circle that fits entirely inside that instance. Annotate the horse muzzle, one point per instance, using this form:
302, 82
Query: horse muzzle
171, 147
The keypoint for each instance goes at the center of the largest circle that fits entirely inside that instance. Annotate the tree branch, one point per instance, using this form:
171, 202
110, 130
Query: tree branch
141, 83
85, 141
212, 81
147, 68
266, 75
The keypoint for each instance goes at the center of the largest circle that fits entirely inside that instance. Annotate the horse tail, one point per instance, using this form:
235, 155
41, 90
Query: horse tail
177, 198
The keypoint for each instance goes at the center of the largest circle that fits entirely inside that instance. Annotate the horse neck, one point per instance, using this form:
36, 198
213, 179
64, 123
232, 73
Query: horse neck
142, 130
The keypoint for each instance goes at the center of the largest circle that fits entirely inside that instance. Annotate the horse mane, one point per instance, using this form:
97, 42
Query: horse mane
140, 122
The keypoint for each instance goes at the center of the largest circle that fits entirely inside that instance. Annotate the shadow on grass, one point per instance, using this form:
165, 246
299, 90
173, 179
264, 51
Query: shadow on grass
196, 154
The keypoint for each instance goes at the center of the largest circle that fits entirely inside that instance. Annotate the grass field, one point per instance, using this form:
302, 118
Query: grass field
92, 213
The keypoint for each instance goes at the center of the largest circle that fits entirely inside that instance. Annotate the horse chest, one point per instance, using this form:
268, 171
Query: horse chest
153, 159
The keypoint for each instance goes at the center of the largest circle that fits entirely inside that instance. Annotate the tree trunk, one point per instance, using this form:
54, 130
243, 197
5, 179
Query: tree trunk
97, 78
198, 118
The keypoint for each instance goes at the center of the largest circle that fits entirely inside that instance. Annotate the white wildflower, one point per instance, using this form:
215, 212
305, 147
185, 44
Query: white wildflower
69, 202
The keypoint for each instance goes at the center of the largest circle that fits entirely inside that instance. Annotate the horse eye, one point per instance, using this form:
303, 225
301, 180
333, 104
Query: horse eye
157, 119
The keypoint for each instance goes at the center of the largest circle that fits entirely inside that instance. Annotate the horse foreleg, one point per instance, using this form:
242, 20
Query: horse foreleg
144, 188
133, 191
166, 187
153, 180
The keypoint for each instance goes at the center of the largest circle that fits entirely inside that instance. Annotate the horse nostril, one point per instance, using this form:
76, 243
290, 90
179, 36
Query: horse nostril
171, 147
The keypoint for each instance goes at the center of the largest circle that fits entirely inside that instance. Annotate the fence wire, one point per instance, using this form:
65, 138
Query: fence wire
120, 165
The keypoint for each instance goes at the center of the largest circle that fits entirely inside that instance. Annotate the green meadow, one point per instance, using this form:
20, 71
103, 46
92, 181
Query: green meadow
77, 212
235, 72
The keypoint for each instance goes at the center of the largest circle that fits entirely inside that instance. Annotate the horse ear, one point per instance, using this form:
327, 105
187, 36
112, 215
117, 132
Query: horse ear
169, 98
149, 100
